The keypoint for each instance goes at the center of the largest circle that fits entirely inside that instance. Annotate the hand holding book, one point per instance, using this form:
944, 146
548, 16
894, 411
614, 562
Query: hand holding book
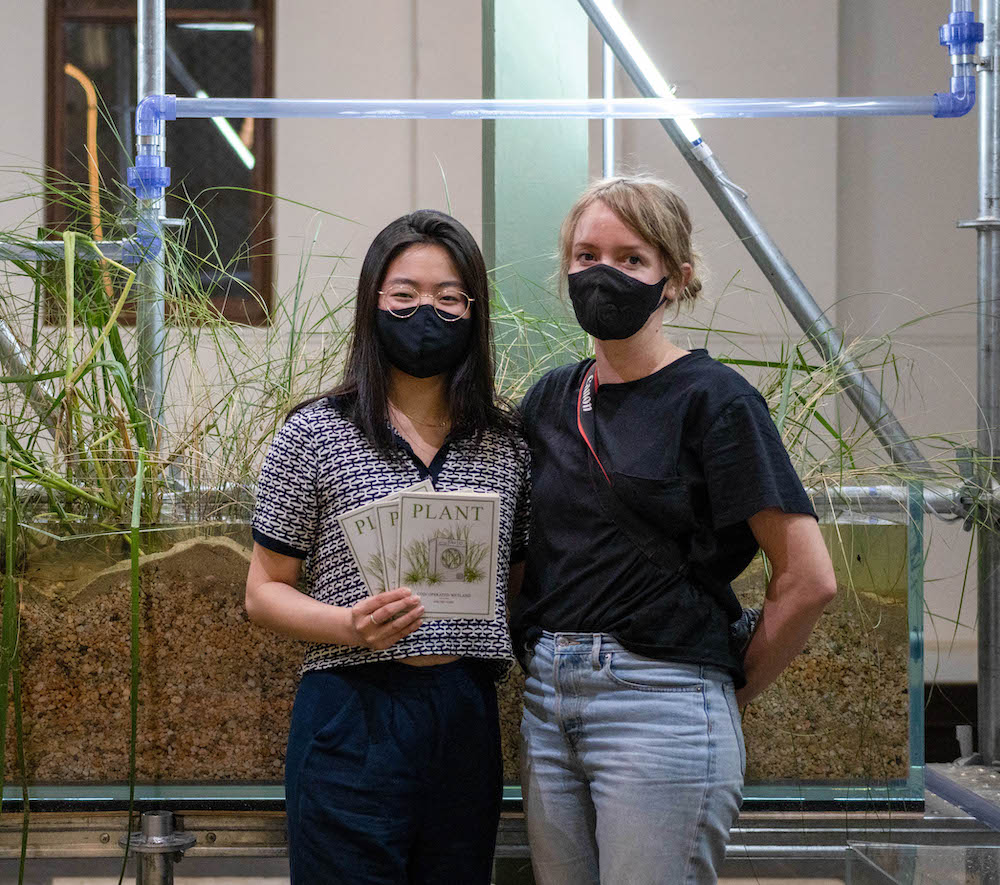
381, 621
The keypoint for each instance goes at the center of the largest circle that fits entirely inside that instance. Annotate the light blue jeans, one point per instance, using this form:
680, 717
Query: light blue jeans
632, 769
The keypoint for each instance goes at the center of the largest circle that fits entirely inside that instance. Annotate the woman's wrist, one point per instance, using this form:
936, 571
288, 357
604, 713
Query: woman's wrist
341, 627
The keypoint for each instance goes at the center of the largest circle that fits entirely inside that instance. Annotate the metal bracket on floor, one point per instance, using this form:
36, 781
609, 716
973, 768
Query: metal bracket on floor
158, 847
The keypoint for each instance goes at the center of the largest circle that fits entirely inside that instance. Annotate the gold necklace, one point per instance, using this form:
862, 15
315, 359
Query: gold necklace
443, 423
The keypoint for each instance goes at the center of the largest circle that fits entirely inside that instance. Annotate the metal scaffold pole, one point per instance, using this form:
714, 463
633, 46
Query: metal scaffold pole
150, 311
988, 381
157, 846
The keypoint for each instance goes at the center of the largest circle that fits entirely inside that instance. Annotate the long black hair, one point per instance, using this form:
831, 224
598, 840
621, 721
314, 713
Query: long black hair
363, 392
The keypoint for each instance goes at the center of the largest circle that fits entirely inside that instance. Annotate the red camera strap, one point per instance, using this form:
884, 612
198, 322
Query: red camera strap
585, 414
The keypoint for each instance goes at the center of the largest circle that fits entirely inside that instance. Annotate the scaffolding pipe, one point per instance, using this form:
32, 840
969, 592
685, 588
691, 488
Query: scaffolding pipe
988, 381
157, 846
150, 282
39, 394
941, 499
733, 204
54, 250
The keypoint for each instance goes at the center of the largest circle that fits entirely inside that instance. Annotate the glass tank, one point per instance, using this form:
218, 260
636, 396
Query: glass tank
842, 725
215, 691
869, 864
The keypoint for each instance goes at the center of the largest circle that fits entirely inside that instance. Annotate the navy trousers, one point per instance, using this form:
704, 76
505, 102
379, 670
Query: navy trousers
393, 775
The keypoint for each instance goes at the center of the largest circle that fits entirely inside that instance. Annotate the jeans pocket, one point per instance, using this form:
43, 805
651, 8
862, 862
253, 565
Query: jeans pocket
527, 660
734, 714
634, 671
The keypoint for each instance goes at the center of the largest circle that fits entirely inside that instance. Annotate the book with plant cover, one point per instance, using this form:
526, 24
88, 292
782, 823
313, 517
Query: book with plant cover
360, 527
387, 521
448, 551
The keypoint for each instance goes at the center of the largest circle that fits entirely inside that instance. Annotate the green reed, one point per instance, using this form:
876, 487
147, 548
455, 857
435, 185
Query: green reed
10, 669
134, 590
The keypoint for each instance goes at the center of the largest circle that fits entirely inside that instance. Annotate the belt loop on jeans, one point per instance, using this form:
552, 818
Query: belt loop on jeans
595, 652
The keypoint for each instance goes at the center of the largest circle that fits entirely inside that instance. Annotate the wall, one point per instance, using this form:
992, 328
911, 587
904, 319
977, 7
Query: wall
372, 171
788, 166
22, 62
904, 268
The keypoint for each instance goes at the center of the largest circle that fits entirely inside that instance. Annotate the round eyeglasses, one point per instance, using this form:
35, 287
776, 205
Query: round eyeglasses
449, 304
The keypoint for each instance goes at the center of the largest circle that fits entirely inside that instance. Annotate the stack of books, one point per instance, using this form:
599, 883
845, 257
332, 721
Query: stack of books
442, 545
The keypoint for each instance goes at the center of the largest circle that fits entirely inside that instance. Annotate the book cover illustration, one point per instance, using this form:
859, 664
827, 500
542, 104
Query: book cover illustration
448, 552
387, 518
360, 527
387, 522
361, 531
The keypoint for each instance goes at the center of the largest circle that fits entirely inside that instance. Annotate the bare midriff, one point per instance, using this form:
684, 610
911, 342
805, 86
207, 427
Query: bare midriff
428, 660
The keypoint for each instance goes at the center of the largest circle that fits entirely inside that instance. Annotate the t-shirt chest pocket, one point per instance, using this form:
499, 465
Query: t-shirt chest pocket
663, 503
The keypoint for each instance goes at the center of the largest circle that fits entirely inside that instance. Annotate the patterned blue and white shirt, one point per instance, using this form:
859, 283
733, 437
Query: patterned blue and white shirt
320, 465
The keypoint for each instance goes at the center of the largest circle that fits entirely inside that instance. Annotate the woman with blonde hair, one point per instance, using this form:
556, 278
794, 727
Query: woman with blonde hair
657, 474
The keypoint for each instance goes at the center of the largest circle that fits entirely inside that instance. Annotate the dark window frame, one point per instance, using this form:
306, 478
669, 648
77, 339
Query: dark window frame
242, 310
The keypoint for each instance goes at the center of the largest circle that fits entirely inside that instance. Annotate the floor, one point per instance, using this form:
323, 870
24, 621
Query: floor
767, 849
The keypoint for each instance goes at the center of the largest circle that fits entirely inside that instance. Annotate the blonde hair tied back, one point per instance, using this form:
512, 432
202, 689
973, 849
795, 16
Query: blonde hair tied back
653, 210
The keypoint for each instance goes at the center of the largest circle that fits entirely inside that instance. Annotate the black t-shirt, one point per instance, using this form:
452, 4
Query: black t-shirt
692, 450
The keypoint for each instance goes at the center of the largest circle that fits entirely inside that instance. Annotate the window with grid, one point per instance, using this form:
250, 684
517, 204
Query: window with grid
221, 168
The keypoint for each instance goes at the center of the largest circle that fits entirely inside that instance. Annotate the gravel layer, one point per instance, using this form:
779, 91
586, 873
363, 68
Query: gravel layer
216, 691
839, 712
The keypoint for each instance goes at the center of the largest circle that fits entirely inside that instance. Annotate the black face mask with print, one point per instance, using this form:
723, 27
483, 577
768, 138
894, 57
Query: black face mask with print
611, 305
423, 344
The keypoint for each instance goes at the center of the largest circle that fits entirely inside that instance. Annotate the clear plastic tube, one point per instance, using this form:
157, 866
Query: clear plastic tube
493, 109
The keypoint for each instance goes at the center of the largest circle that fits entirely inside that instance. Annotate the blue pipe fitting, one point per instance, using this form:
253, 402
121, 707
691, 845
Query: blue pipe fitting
145, 245
962, 34
151, 113
148, 177
959, 101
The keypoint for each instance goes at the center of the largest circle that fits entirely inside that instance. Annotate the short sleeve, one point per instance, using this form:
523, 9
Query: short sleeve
747, 468
285, 513
525, 410
522, 511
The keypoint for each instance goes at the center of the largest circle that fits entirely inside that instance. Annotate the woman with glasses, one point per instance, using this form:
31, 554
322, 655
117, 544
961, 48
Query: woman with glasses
393, 769
656, 475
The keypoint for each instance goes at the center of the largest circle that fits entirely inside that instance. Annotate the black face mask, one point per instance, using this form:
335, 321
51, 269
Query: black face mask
611, 305
423, 344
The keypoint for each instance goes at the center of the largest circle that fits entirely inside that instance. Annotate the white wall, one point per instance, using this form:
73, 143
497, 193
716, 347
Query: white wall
372, 171
903, 184
22, 104
788, 166
858, 206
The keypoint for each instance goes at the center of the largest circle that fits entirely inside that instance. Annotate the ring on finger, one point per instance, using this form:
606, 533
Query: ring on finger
374, 622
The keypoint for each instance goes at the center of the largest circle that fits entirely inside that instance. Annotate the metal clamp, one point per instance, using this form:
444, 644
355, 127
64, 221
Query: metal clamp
158, 846
986, 222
